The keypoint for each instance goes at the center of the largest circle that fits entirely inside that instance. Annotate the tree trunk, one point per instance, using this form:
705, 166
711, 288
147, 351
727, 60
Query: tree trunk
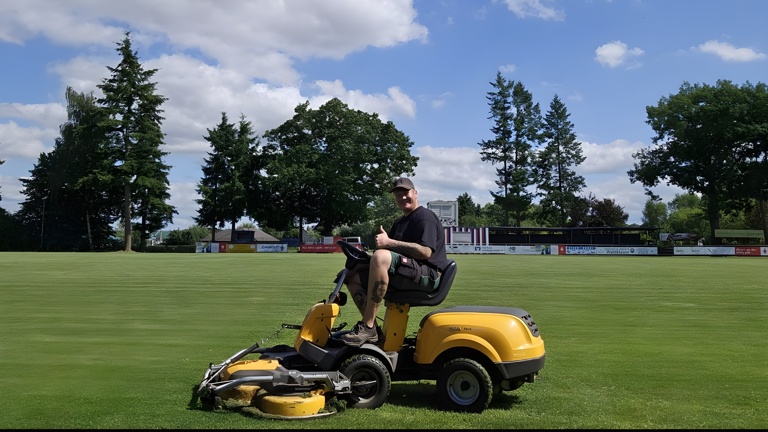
127, 216
88, 227
762, 210
143, 234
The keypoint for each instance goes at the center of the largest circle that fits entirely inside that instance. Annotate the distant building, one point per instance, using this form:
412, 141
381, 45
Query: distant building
158, 238
243, 235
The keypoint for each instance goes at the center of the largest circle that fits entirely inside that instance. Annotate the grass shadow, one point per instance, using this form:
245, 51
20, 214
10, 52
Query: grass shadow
504, 400
423, 394
194, 400
419, 394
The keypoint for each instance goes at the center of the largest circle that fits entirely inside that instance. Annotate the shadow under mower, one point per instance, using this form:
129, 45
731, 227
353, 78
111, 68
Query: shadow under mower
472, 352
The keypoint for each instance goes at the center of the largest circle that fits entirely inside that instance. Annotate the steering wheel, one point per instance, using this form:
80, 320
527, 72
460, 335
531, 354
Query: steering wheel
353, 253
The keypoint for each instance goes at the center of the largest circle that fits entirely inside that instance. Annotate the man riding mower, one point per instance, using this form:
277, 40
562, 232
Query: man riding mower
471, 352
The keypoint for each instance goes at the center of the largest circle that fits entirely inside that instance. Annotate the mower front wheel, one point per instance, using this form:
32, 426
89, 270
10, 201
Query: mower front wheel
369, 379
464, 385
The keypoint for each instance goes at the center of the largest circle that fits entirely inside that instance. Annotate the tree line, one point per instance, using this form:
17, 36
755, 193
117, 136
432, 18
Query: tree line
332, 166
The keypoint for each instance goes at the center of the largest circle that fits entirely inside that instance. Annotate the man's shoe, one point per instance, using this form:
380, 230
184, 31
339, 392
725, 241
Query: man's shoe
360, 334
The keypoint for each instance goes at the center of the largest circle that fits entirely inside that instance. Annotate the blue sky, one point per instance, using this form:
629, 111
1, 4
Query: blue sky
426, 65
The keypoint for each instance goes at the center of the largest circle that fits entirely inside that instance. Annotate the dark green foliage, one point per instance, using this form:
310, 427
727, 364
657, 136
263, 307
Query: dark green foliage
15, 236
134, 129
189, 236
709, 140
72, 196
468, 210
383, 212
606, 212
231, 172
590, 212
328, 165
558, 183
655, 214
517, 129
473, 215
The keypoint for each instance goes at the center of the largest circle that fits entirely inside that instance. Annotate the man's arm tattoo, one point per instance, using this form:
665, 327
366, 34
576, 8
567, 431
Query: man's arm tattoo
413, 250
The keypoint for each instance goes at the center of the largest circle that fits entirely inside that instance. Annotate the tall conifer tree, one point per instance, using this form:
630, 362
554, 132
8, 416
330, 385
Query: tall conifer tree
558, 183
516, 130
134, 126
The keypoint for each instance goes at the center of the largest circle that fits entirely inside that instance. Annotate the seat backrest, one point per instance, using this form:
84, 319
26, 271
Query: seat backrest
421, 298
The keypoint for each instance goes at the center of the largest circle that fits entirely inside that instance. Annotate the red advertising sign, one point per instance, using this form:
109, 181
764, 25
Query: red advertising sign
319, 248
747, 251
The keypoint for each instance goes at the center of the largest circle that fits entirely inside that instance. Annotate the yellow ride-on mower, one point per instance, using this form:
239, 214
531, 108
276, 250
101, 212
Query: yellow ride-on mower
472, 352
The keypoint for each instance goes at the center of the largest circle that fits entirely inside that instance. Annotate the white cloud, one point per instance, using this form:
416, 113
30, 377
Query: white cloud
612, 158
507, 68
730, 53
261, 39
49, 115
394, 103
616, 53
23, 142
183, 196
535, 9
446, 173
441, 101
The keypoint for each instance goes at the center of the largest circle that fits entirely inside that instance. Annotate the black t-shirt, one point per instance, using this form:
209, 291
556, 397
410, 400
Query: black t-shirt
423, 227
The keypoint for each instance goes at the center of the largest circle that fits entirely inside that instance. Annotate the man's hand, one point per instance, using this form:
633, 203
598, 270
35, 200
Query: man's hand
382, 238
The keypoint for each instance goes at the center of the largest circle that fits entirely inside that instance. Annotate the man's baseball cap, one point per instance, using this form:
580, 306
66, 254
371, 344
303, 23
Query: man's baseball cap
402, 183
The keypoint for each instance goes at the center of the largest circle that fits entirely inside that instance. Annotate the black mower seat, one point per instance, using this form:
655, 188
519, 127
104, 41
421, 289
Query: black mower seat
421, 298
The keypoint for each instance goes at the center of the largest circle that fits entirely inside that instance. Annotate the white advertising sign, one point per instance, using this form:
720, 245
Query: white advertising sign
272, 247
704, 250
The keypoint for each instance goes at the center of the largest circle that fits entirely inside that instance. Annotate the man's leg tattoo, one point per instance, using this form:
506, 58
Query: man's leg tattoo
359, 298
379, 290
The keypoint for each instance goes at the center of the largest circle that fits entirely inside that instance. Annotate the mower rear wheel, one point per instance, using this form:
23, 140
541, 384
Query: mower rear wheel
464, 385
369, 379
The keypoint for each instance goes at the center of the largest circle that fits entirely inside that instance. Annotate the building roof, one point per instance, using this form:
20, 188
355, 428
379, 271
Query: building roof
225, 235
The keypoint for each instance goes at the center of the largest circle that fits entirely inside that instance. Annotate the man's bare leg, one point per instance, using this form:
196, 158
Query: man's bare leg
378, 281
357, 292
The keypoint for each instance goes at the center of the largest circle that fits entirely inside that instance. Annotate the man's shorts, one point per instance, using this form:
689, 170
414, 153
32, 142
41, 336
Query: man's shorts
407, 274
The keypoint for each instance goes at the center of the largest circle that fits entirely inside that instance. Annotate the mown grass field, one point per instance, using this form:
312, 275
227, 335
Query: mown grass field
116, 340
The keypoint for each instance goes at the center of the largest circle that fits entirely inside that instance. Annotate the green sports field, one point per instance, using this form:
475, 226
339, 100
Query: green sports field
116, 340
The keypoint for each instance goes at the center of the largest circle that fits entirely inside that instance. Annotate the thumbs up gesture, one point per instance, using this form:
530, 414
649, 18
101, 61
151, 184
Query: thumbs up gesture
382, 238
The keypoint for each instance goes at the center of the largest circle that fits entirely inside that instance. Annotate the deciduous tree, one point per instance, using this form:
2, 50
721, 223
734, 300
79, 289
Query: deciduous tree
328, 165
72, 196
708, 142
654, 214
